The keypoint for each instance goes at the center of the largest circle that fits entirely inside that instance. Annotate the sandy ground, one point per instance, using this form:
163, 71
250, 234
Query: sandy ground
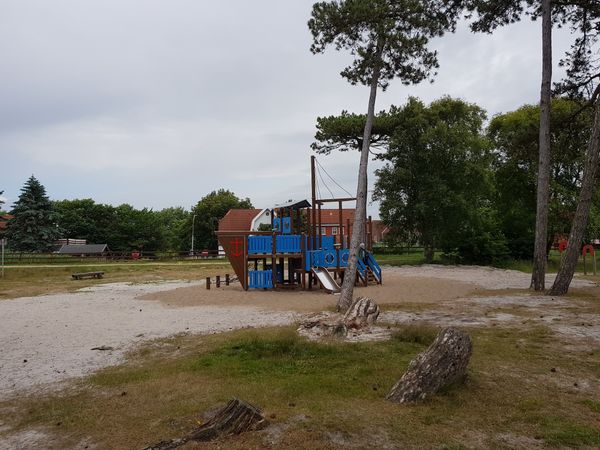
49, 339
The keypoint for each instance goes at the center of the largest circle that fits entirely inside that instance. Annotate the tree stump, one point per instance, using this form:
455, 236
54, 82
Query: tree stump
362, 313
443, 363
324, 328
236, 417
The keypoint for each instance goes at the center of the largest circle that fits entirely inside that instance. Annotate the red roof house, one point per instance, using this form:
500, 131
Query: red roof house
238, 219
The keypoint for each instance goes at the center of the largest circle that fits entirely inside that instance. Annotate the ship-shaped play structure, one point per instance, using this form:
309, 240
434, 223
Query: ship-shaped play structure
294, 253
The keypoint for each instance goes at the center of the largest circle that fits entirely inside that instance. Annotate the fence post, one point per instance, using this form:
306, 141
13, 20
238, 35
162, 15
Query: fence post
226, 279
218, 283
208, 283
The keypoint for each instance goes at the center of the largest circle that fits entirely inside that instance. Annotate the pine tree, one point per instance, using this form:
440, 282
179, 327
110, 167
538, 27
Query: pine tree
388, 39
33, 227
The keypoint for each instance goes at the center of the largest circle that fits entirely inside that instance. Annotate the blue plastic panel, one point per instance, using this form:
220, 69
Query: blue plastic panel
261, 279
326, 258
287, 225
289, 243
370, 260
259, 245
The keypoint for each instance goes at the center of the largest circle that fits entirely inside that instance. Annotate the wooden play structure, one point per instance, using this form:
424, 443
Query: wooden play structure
295, 253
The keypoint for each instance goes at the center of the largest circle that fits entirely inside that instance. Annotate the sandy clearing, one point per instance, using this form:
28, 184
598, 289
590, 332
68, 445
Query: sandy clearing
49, 338
397, 289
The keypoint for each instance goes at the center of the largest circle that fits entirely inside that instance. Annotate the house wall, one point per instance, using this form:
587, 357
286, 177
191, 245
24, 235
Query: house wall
264, 217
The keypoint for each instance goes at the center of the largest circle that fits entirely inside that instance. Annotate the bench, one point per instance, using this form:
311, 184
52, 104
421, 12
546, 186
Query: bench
82, 275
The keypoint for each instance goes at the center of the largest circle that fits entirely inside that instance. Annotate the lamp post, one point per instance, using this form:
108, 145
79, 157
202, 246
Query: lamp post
193, 223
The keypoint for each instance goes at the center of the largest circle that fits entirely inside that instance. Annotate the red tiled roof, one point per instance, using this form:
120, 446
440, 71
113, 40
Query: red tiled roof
238, 219
4, 220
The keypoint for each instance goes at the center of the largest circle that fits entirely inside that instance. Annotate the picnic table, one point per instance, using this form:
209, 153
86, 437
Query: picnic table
82, 275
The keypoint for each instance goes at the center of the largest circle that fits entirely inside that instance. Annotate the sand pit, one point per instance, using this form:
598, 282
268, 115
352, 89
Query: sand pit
397, 289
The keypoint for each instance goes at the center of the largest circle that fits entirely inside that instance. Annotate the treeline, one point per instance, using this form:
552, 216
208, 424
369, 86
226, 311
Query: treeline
456, 182
38, 222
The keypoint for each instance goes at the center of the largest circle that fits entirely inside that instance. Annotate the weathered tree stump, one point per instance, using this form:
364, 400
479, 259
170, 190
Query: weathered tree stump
324, 328
443, 363
236, 417
362, 313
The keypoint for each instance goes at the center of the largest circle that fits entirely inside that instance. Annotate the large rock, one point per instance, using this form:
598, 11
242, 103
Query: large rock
443, 363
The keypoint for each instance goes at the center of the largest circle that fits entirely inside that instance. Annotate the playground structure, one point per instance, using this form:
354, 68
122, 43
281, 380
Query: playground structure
295, 253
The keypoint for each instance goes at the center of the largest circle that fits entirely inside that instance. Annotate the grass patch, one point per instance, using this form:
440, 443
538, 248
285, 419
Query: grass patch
416, 334
37, 280
340, 388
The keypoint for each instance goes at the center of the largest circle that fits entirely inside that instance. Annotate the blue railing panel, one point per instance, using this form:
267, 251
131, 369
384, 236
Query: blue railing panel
327, 242
259, 244
361, 268
289, 243
261, 279
344, 257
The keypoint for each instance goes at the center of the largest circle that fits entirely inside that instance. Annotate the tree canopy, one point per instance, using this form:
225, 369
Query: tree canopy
345, 132
437, 185
514, 136
208, 211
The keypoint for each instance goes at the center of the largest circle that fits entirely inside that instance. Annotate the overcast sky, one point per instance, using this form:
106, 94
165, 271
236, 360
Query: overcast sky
156, 103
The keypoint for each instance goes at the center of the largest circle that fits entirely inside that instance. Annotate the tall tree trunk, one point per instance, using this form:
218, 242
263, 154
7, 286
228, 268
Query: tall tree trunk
571, 256
538, 276
345, 299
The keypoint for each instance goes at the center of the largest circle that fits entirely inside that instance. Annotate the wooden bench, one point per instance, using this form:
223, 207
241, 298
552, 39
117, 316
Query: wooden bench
82, 275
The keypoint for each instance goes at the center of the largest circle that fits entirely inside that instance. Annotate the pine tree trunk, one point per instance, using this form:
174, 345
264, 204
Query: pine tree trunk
588, 184
345, 299
538, 276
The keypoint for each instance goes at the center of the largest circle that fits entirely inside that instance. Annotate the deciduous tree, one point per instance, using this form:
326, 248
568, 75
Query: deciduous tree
515, 136
388, 39
437, 185
208, 211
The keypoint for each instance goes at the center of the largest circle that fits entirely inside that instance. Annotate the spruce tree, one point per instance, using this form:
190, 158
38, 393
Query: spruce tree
33, 227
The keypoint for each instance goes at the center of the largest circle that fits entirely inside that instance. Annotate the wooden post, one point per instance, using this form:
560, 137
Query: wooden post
208, 283
274, 260
370, 235
218, 282
320, 228
226, 279
584, 264
348, 234
341, 224
313, 183
246, 281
